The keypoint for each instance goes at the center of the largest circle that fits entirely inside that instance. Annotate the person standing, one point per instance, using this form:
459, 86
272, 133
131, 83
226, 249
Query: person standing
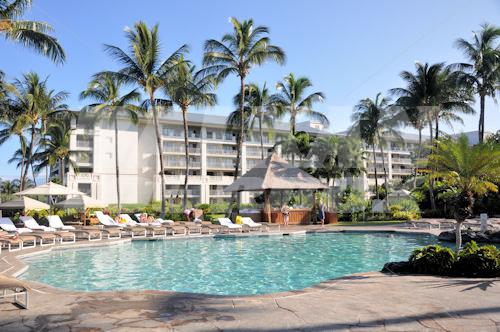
322, 214
285, 210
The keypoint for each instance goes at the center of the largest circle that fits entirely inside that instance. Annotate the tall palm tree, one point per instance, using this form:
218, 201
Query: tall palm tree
104, 91
373, 118
469, 171
10, 128
189, 87
56, 148
292, 99
483, 71
32, 34
143, 67
431, 94
36, 105
262, 108
237, 53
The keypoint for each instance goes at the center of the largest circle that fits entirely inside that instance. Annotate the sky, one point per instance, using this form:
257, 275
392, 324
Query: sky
348, 49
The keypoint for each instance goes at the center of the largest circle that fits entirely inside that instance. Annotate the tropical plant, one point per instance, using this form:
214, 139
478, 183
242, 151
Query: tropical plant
292, 99
373, 120
11, 129
263, 111
104, 91
469, 172
475, 261
55, 148
432, 259
189, 87
32, 34
482, 74
432, 94
237, 53
143, 67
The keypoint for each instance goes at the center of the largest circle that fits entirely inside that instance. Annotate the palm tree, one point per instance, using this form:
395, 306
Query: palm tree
11, 129
292, 99
8, 187
262, 108
104, 91
469, 171
237, 53
373, 118
144, 68
189, 87
483, 72
32, 34
56, 148
432, 93
35, 106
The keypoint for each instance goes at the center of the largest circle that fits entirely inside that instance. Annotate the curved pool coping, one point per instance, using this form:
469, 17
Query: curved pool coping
18, 266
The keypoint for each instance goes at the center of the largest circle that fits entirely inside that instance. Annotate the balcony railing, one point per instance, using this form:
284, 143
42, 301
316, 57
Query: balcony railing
401, 161
219, 192
221, 151
229, 165
180, 149
182, 163
180, 192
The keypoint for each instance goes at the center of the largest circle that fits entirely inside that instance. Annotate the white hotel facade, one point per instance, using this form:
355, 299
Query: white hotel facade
212, 151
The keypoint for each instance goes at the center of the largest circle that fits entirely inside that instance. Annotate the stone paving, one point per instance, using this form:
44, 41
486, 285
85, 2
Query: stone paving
363, 302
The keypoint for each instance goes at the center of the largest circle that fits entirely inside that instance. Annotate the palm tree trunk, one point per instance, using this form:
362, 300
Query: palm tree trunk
33, 173
159, 145
30, 154
437, 128
261, 136
333, 195
458, 236
386, 180
186, 154
419, 155
61, 171
481, 117
240, 138
431, 181
21, 184
117, 165
375, 168
292, 129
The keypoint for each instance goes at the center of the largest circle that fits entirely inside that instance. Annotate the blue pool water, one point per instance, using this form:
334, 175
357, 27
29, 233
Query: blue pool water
225, 266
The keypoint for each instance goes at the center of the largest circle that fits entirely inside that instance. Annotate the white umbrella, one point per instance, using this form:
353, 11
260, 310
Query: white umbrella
49, 189
80, 202
24, 203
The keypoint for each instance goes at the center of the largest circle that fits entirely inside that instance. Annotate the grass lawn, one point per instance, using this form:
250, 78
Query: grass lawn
369, 223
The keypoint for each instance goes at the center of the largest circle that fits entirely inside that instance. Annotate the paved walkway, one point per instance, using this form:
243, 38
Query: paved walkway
364, 302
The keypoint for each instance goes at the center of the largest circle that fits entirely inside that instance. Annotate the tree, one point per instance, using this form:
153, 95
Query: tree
432, 93
11, 129
373, 118
482, 74
237, 53
35, 105
292, 99
469, 171
32, 34
104, 91
143, 67
263, 110
189, 87
55, 148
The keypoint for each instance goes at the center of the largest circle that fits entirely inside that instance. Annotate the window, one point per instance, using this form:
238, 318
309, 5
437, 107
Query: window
85, 188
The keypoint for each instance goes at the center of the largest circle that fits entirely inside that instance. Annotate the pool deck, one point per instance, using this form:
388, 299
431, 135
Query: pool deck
362, 302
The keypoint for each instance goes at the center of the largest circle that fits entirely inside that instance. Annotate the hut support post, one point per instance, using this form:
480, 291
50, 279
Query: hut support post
313, 210
267, 204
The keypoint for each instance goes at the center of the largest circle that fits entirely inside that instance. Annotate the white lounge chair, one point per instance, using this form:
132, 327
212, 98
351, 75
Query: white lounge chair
7, 225
32, 224
155, 229
12, 287
226, 223
91, 235
252, 224
110, 224
157, 220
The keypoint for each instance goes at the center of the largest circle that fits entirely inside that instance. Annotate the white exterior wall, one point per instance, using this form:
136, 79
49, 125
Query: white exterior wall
139, 165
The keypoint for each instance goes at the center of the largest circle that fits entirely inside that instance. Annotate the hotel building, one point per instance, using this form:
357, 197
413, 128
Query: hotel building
212, 152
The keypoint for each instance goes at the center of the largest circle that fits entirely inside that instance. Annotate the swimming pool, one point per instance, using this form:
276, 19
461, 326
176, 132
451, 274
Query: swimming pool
223, 266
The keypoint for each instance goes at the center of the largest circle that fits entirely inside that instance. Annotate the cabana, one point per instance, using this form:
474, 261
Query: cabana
274, 173
25, 204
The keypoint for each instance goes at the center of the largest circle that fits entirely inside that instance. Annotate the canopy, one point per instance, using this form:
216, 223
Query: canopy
49, 189
80, 202
275, 173
24, 203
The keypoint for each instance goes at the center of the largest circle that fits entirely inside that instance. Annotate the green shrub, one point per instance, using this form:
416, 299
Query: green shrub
405, 209
475, 261
433, 259
353, 206
206, 208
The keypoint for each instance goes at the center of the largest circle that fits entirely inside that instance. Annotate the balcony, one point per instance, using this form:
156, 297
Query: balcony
180, 192
401, 171
180, 149
182, 163
220, 165
223, 152
219, 192
401, 161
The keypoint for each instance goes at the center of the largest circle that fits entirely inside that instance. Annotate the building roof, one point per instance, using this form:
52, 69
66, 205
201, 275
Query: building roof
472, 136
275, 173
